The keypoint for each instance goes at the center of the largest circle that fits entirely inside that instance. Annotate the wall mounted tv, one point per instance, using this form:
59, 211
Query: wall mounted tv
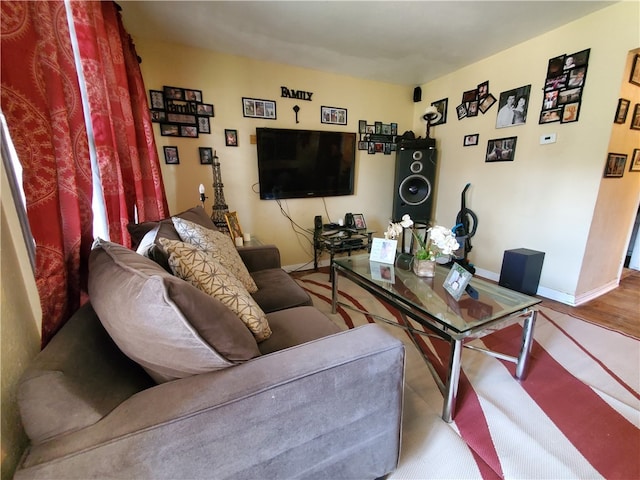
305, 163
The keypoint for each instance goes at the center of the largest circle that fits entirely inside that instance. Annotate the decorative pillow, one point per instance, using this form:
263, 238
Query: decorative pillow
201, 269
169, 327
218, 244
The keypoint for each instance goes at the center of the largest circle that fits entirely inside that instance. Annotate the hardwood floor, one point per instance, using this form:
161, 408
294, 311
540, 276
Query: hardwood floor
618, 309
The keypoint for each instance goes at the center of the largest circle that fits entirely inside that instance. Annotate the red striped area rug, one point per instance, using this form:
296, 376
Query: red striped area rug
576, 415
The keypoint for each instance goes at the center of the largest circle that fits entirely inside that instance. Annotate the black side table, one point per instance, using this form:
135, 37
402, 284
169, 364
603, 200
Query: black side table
339, 240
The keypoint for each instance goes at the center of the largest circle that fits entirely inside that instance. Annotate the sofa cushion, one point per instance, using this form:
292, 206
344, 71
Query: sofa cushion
278, 291
296, 326
219, 245
201, 269
169, 327
165, 229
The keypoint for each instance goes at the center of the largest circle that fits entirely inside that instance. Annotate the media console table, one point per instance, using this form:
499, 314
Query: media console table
425, 301
339, 240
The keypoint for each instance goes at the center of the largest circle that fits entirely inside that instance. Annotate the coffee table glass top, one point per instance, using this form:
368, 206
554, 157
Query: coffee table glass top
429, 298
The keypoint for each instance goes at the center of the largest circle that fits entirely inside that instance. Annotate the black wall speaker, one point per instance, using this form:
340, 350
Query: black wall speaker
521, 269
317, 222
414, 181
417, 94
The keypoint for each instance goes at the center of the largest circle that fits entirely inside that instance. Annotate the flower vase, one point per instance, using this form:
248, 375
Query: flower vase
424, 268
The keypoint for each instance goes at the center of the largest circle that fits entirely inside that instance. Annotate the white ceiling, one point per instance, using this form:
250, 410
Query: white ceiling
406, 43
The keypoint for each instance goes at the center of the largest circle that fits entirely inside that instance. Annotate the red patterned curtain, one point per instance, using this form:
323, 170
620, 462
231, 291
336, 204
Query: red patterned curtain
43, 107
126, 151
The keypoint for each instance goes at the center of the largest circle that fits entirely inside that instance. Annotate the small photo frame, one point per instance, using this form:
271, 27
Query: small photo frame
205, 110
382, 272
635, 161
333, 115
189, 131
362, 126
470, 95
635, 120
258, 108
233, 224
169, 130
206, 155
501, 149
383, 250
471, 140
461, 110
203, 125
157, 99
193, 95
622, 110
483, 89
486, 103
171, 155
173, 93
550, 116
615, 165
441, 106
358, 221
363, 145
457, 281
570, 112
634, 77
158, 116
230, 137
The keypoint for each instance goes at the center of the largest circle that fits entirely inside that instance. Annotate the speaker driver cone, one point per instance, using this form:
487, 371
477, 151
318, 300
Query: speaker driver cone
414, 190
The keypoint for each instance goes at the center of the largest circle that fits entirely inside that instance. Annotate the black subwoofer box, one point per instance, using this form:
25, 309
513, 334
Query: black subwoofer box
521, 269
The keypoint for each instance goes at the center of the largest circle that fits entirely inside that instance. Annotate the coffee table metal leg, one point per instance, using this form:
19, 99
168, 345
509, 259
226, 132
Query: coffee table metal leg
449, 409
527, 341
334, 288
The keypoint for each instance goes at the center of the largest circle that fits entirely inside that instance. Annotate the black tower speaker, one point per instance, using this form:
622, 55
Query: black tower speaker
414, 180
521, 269
417, 94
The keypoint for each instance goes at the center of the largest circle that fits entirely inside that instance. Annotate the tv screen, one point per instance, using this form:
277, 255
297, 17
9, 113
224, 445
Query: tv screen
305, 163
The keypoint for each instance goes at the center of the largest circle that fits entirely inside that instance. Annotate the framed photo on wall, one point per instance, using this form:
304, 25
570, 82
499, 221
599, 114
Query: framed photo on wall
230, 137
621, 111
441, 106
635, 71
635, 120
614, 167
206, 155
334, 115
470, 140
513, 107
171, 155
501, 149
258, 108
635, 161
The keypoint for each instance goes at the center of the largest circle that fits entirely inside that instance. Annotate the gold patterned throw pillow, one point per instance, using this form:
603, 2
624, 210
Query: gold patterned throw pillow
199, 268
218, 244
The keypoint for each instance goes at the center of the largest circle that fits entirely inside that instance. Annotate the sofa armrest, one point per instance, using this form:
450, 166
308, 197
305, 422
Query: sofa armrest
261, 257
330, 408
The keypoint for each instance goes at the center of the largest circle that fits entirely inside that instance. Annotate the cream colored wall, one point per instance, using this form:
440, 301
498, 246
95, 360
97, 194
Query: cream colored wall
617, 201
545, 199
224, 80
20, 326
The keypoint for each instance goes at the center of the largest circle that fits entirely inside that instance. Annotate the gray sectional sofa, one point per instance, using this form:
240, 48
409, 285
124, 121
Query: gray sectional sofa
157, 379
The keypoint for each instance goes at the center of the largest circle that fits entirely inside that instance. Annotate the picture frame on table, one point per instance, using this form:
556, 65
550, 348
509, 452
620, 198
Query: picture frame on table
333, 115
622, 110
171, 155
615, 165
259, 108
230, 137
234, 225
441, 105
206, 155
635, 161
634, 77
358, 221
383, 250
457, 281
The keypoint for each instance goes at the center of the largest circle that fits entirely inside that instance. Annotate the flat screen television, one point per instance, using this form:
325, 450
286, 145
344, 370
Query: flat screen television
305, 163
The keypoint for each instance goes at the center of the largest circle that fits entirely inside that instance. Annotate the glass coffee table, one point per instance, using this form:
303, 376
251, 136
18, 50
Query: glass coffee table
425, 301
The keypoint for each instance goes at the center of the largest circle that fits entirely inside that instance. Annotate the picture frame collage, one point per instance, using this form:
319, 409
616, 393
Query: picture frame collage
181, 112
259, 108
377, 137
333, 115
563, 87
